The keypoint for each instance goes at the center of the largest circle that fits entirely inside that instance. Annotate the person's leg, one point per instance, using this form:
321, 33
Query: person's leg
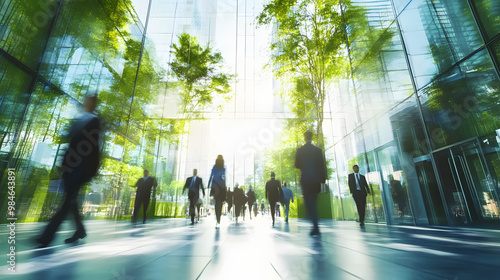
362, 209
218, 209
192, 202
145, 204
76, 215
237, 211
250, 210
273, 209
357, 201
360, 206
80, 230
137, 206
287, 209
57, 219
310, 201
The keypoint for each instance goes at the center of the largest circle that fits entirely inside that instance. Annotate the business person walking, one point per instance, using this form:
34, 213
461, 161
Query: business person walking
359, 190
80, 164
273, 192
143, 195
193, 185
309, 159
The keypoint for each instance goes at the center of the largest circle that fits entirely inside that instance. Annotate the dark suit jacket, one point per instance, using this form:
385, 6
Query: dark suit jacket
197, 184
239, 196
251, 197
81, 160
309, 159
273, 190
144, 186
362, 183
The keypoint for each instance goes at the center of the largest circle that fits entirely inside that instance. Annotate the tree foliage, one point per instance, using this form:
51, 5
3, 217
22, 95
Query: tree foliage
200, 75
308, 49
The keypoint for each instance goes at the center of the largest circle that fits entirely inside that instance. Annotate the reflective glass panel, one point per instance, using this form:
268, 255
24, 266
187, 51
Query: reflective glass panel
489, 16
464, 103
437, 35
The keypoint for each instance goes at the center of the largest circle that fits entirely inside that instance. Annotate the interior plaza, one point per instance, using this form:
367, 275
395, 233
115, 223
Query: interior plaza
407, 90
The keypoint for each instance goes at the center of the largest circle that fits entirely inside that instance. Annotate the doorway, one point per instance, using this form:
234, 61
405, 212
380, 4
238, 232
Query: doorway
470, 193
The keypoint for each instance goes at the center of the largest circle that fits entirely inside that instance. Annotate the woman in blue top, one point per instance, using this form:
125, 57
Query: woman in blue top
217, 185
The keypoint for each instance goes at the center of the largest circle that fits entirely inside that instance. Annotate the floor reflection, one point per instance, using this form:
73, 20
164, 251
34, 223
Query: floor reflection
172, 249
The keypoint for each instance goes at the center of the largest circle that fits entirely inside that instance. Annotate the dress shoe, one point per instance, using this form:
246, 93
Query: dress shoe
362, 224
75, 237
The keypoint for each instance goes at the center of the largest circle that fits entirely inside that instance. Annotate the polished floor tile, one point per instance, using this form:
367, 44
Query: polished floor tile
253, 249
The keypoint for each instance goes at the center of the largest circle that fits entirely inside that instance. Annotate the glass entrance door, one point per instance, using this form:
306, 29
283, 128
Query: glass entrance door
470, 193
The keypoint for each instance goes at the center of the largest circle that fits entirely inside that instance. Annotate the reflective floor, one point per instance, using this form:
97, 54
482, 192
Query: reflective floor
173, 249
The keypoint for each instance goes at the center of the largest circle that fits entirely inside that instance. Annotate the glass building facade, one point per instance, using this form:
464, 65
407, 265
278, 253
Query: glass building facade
421, 122
418, 114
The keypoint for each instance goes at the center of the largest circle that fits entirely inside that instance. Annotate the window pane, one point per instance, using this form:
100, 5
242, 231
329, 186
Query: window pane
24, 27
437, 35
464, 103
489, 16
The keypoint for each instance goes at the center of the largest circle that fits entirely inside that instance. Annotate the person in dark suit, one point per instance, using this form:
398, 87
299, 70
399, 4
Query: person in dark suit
143, 195
239, 200
359, 190
273, 191
193, 185
80, 164
309, 159
398, 194
251, 200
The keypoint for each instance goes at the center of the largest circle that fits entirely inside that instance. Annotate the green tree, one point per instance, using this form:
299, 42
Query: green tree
200, 75
309, 50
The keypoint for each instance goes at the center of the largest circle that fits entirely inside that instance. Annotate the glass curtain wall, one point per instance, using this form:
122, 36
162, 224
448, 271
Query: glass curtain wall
418, 110
52, 54
421, 119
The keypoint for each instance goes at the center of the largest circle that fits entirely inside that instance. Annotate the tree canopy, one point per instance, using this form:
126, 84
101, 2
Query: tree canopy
200, 75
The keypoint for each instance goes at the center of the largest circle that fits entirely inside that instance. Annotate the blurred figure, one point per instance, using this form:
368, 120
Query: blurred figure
273, 190
398, 195
217, 185
278, 212
80, 164
239, 198
359, 190
309, 159
251, 200
193, 185
287, 196
229, 199
255, 208
143, 194
262, 207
